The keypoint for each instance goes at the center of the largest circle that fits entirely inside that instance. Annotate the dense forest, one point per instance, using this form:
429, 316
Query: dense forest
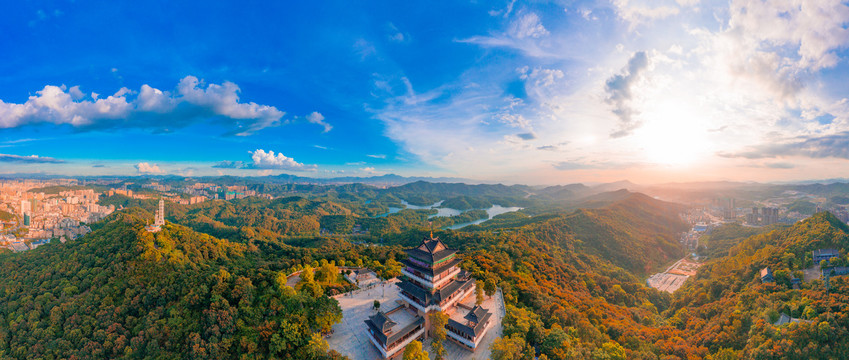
211, 284
122, 292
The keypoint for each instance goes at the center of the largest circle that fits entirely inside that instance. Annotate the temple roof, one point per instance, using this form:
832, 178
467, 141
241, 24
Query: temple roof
431, 250
431, 271
476, 314
473, 328
382, 322
389, 339
436, 297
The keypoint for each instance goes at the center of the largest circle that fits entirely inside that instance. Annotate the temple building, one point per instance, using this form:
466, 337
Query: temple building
431, 281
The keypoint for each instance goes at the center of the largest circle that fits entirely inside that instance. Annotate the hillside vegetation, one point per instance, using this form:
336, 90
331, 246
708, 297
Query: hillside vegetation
211, 284
122, 292
727, 307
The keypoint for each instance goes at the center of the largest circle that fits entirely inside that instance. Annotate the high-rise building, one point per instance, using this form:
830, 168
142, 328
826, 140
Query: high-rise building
26, 207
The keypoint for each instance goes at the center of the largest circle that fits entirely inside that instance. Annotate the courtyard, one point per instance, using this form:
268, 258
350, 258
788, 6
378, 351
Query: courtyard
350, 336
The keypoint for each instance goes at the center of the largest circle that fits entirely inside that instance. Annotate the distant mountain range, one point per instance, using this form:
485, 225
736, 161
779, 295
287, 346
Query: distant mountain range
390, 180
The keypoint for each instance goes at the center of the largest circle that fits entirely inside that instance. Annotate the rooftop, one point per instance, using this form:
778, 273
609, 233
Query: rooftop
394, 323
824, 252
431, 250
469, 318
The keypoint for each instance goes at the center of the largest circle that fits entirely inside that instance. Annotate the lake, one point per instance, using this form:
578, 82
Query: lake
492, 211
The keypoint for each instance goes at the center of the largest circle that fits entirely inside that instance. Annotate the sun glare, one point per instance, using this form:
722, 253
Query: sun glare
672, 136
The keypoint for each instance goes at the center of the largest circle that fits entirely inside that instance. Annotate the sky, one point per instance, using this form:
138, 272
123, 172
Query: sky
519, 92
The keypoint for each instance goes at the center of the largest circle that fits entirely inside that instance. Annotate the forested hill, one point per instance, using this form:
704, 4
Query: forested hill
725, 306
572, 281
637, 233
122, 292
634, 231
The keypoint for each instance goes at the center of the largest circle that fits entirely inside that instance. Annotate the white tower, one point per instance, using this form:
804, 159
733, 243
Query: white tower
160, 215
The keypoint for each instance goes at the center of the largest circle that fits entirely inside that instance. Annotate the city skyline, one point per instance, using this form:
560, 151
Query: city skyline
536, 93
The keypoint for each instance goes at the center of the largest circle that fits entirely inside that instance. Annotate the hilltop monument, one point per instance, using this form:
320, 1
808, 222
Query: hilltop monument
158, 219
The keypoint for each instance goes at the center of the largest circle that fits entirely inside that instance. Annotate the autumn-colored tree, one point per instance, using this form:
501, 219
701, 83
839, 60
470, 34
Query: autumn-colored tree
511, 348
478, 295
307, 275
489, 286
438, 320
414, 351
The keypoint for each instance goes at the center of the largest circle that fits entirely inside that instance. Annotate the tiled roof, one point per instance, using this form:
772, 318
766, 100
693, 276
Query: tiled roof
430, 271
475, 314
382, 322
435, 298
472, 328
386, 340
431, 250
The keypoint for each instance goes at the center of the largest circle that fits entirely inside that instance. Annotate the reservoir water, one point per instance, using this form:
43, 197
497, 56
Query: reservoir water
491, 212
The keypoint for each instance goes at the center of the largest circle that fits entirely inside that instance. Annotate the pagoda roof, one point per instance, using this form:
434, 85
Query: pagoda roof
477, 318
436, 297
431, 271
431, 250
476, 314
387, 339
382, 322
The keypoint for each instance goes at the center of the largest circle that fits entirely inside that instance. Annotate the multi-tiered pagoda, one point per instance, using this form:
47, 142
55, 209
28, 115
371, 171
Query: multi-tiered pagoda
431, 282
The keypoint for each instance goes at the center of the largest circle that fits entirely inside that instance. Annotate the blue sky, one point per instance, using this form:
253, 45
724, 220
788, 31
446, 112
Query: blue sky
539, 92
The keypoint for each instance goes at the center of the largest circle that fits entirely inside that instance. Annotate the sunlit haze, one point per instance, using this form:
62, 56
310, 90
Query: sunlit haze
504, 91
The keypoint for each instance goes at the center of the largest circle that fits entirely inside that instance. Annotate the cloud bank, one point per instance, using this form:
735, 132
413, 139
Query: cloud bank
266, 160
31, 159
192, 101
147, 168
619, 90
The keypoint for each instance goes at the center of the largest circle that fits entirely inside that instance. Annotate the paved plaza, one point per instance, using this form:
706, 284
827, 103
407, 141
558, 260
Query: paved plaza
350, 337
674, 276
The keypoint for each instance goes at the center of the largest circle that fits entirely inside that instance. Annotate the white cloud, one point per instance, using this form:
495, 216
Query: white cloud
318, 119
642, 13
620, 89
396, 35
268, 160
527, 25
377, 156
813, 28
540, 77
147, 168
191, 102
525, 33
76, 93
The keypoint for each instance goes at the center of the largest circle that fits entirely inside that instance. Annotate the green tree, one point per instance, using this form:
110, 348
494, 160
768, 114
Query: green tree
414, 351
327, 272
317, 347
391, 268
489, 286
438, 320
478, 295
307, 275
510, 348
724, 354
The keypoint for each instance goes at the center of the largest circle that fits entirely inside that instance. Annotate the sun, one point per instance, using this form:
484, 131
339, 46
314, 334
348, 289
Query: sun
672, 136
